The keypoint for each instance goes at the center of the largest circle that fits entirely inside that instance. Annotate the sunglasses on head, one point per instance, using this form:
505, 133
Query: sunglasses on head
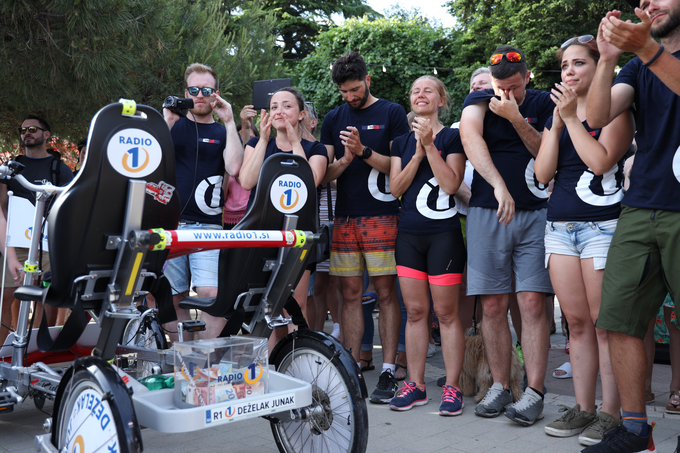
207, 91
511, 57
31, 129
582, 39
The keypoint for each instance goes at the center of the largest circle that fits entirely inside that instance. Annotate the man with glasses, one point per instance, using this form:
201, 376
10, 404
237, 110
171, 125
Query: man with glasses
40, 167
501, 132
643, 263
204, 150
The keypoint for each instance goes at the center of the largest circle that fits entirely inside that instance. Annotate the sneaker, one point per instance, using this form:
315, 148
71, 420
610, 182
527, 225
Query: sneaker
437, 336
594, 432
409, 395
452, 401
619, 440
518, 347
495, 401
431, 350
386, 388
571, 423
527, 410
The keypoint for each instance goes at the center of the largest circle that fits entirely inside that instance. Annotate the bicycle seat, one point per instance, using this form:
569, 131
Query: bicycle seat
285, 186
92, 208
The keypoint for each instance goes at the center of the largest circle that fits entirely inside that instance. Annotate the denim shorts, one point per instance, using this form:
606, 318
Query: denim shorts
582, 239
198, 269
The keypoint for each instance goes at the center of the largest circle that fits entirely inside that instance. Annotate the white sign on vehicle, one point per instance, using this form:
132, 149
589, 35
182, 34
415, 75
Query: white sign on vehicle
250, 407
20, 213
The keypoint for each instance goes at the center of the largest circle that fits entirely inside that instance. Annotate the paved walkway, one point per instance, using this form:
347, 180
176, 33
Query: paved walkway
419, 430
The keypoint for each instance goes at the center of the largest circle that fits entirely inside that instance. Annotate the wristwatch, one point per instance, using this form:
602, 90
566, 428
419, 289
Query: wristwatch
366, 153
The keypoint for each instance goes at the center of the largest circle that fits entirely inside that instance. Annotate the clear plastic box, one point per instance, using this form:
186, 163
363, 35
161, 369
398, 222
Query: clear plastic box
215, 371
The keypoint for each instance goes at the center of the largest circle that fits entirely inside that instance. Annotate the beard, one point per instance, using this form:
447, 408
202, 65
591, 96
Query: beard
364, 99
36, 141
672, 22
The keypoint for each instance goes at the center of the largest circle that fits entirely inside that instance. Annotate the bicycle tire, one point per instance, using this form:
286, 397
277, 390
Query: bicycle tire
343, 426
94, 411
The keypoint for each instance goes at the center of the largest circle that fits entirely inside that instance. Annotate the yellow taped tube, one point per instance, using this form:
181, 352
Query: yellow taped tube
300, 238
129, 106
30, 268
164, 239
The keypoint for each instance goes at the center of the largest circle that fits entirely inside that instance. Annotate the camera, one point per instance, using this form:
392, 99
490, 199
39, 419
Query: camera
177, 105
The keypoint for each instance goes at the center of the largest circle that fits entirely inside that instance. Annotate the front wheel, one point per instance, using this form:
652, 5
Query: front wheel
93, 411
337, 420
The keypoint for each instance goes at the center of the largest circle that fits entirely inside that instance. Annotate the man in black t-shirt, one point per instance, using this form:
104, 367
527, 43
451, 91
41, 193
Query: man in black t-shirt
501, 132
201, 161
359, 135
41, 167
643, 263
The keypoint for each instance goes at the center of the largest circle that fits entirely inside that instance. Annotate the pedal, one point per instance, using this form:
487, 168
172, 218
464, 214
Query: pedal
193, 325
7, 402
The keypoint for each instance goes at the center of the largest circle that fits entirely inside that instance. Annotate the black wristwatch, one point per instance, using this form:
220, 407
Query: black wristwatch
366, 153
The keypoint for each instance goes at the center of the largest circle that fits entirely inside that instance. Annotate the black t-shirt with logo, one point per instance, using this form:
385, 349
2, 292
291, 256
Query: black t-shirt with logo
363, 190
510, 156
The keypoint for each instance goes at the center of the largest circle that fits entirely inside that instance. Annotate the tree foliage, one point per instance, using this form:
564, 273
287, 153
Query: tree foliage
298, 22
65, 59
537, 27
407, 49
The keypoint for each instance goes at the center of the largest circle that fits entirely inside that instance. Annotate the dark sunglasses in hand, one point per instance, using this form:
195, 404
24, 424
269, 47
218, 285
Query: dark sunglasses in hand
582, 39
511, 57
31, 129
207, 91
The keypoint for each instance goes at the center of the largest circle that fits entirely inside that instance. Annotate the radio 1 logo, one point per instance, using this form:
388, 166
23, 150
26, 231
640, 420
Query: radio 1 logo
134, 153
288, 194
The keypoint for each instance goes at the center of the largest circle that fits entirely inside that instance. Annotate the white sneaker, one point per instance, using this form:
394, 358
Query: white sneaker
336, 331
527, 410
431, 349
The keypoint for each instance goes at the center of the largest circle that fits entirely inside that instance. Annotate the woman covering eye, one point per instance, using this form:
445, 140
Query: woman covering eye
286, 112
427, 167
583, 211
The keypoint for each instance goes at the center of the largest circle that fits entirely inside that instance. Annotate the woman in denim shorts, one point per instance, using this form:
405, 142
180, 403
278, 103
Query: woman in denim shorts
583, 210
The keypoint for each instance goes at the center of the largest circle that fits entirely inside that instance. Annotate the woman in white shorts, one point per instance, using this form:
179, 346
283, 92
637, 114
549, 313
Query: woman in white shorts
582, 215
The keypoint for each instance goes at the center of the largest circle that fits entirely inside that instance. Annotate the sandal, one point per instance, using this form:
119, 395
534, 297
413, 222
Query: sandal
369, 365
396, 372
563, 371
674, 403
369, 297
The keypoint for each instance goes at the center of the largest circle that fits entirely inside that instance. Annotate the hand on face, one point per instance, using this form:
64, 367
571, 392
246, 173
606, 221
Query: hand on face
292, 132
506, 107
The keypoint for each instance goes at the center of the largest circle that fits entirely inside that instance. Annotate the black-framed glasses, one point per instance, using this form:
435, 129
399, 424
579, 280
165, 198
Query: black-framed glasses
582, 39
32, 129
511, 57
207, 91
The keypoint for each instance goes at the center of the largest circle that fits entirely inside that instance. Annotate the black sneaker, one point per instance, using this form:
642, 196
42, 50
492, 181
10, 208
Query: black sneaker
437, 337
386, 388
619, 440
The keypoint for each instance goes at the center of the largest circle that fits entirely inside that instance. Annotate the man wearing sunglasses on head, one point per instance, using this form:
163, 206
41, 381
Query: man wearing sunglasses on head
40, 167
643, 263
500, 130
204, 150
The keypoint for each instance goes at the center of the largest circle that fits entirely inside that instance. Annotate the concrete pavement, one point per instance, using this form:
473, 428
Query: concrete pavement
421, 429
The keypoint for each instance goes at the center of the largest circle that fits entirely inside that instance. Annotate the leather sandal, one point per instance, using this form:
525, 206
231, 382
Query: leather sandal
674, 403
369, 365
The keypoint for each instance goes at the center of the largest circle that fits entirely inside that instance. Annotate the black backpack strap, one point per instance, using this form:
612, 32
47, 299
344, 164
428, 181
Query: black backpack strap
55, 171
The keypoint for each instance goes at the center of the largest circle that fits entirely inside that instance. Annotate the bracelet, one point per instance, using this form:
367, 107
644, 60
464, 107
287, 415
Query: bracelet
658, 54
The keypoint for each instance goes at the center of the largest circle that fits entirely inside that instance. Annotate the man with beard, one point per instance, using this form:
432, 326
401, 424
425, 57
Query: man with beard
204, 150
643, 263
41, 167
359, 134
